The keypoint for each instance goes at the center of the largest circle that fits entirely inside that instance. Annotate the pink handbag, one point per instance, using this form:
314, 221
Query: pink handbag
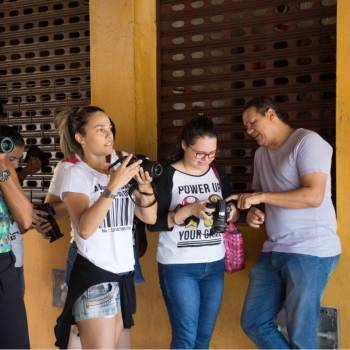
234, 247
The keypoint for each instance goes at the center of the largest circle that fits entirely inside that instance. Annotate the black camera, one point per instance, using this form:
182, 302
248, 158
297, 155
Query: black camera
220, 215
55, 233
153, 168
6, 144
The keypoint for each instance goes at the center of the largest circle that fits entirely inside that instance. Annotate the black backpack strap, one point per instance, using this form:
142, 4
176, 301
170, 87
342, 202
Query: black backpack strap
215, 170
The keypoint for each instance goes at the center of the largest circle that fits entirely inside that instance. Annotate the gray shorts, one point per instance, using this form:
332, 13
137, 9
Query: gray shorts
99, 301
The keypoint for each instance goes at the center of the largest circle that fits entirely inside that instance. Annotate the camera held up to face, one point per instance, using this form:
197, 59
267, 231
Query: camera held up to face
6, 144
153, 168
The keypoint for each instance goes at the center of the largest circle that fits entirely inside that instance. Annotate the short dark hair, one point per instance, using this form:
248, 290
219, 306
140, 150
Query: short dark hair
10, 131
263, 103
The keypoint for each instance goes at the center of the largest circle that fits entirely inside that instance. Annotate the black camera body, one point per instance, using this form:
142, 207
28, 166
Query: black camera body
55, 233
153, 168
6, 144
220, 215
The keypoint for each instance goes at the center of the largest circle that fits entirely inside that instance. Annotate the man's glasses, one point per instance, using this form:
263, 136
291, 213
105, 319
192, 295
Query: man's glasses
203, 155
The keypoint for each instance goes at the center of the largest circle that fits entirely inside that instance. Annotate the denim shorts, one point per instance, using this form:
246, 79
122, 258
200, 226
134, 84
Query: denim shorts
99, 301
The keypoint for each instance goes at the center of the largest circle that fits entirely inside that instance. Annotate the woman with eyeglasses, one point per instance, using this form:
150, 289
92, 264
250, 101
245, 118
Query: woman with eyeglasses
191, 258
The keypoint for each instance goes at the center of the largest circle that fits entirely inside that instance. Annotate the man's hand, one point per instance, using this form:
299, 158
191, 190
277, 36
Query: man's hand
246, 200
255, 217
234, 214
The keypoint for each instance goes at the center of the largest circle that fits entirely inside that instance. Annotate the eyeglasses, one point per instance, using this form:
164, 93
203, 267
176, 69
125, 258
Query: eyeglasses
203, 155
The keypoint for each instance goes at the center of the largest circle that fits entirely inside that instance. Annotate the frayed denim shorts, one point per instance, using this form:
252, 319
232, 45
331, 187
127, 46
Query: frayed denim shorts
99, 301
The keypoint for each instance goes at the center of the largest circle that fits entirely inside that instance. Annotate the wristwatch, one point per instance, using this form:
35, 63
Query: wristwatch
4, 175
108, 194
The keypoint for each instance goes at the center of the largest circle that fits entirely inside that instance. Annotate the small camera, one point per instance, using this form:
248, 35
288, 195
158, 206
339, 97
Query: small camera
55, 233
220, 215
6, 144
153, 168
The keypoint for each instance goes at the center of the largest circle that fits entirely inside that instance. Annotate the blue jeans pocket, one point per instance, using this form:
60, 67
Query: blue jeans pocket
99, 294
101, 300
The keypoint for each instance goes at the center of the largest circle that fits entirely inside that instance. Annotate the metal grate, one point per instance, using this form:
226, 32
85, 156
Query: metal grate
44, 65
215, 55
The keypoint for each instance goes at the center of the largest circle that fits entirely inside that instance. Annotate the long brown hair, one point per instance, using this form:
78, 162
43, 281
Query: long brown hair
70, 121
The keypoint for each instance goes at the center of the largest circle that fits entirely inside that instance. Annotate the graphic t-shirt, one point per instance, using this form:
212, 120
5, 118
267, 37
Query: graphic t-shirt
191, 242
110, 247
5, 243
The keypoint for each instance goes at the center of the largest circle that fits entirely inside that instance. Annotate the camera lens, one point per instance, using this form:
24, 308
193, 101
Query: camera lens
6, 145
157, 170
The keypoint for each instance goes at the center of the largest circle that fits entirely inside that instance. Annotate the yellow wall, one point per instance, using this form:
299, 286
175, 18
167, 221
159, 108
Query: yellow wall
39, 259
112, 65
113, 19
123, 68
339, 291
138, 19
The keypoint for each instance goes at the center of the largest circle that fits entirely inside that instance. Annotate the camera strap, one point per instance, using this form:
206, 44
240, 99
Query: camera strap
119, 160
134, 187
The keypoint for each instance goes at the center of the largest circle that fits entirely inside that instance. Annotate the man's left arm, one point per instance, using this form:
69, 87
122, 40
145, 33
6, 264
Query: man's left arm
310, 194
313, 162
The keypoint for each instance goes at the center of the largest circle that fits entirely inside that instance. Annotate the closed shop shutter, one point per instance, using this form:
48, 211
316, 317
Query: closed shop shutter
215, 55
44, 65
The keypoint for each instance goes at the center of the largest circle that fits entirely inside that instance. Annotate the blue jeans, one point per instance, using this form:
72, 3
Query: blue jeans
193, 295
71, 256
295, 281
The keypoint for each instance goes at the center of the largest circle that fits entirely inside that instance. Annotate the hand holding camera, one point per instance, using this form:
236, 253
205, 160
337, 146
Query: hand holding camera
153, 168
202, 210
144, 181
44, 221
139, 171
124, 173
221, 214
40, 223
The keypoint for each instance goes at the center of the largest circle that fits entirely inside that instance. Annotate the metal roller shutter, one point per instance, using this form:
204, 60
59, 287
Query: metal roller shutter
215, 55
44, 65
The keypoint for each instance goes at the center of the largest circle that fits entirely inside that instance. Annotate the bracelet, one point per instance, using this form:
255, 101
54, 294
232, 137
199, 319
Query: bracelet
133, 188
144, 193
108, 194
